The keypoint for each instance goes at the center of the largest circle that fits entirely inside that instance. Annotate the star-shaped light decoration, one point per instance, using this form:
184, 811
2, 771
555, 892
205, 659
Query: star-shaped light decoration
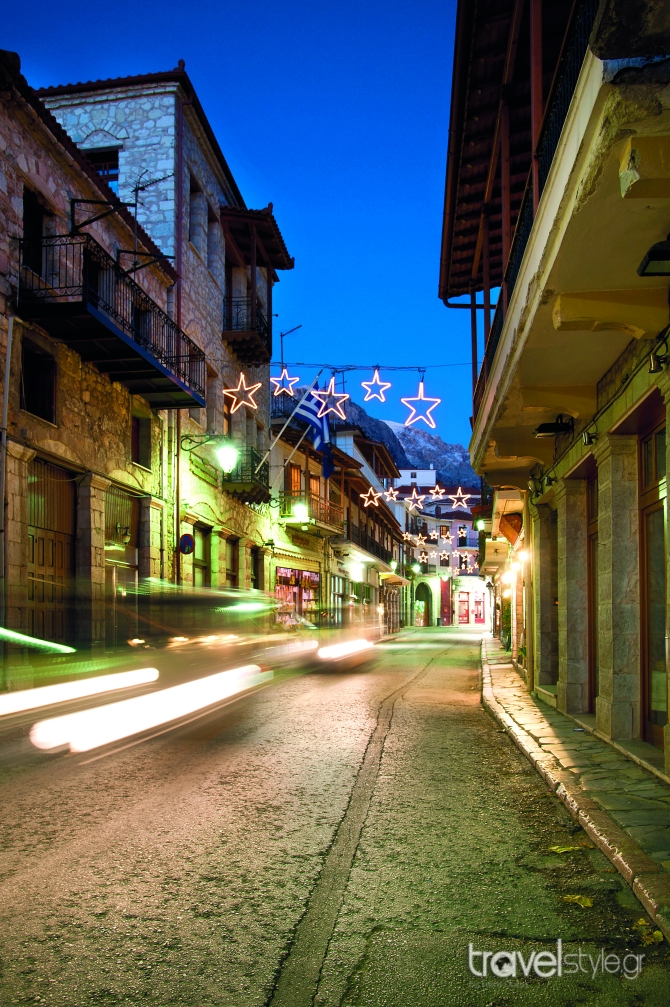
391, 494
416, 413
370, 498
444, 554
420, 539
416, 500
423, 557
331, 401
434, 534
437, 492
375, 389
407, 537
433, 554
243, 395
284, 384
460, 499
447, 537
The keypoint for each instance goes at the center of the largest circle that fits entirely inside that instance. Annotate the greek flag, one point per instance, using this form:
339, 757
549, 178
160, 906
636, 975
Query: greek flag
309, 411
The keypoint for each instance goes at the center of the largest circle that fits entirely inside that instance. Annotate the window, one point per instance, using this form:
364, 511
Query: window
653, 458
38, 381
197, 219
33, 229
105, 160
653, 495
256, 568
462, 535
227, 416
293, 479
140, 441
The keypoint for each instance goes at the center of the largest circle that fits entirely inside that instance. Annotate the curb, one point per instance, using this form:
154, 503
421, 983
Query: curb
649, 882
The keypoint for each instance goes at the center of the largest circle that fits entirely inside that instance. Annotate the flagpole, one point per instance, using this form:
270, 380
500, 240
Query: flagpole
267, 453
304, 434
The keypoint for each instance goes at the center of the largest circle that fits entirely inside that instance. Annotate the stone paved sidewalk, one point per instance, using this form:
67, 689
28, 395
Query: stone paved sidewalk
624, 808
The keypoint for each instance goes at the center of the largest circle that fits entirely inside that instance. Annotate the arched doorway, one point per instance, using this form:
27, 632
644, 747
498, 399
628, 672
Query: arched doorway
423, 615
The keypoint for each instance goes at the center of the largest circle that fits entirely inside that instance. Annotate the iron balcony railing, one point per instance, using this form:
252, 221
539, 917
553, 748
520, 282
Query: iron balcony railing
239, 316
250, 470
361, 538
64, 271
318, 508
554, 120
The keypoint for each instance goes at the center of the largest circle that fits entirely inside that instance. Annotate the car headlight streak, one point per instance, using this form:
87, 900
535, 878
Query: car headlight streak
31, 699
89, 729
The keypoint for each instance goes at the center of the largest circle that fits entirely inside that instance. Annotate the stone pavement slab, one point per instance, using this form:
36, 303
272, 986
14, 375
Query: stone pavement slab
624, 807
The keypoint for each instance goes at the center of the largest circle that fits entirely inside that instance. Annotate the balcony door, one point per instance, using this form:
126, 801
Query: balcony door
653, 535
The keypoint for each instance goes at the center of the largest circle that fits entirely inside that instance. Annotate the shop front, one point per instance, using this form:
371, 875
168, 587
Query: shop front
298, 594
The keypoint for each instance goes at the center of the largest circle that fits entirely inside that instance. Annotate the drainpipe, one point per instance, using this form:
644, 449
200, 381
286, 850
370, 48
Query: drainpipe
3, 465
178, 261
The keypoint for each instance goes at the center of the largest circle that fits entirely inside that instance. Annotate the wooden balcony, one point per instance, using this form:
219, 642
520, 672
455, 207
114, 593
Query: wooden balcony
300, 509
249, 480
246, 330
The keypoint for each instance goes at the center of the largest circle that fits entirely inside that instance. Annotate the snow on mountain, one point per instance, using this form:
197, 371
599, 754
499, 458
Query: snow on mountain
452, 461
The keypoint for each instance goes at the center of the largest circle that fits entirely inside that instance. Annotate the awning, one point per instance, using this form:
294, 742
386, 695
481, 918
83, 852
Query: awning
394, 578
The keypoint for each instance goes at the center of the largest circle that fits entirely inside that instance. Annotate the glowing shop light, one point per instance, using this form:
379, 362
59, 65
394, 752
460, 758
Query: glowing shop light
523, 555
30, 699
227, 455
89, 729
30, 641
300, 511
507, 577
337, 650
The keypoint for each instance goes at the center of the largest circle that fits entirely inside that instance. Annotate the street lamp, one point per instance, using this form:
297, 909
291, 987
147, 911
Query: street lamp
300, 511
416, 567
227, 455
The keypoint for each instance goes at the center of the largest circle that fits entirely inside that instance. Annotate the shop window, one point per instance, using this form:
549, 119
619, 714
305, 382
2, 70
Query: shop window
256, 568
141, 441
232, 562
202, 556
38, 381
105, 160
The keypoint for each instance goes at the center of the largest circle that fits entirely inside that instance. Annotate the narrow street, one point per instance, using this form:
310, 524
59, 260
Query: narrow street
335, 839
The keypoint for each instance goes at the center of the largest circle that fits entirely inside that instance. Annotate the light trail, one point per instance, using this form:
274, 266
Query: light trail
46, 695
345, 649
89, 729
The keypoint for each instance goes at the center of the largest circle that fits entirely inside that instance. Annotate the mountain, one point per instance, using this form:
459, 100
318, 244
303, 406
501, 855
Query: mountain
452, 461
377, 430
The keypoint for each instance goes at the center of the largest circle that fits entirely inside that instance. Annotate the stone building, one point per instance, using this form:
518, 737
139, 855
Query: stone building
557, 197
121, 334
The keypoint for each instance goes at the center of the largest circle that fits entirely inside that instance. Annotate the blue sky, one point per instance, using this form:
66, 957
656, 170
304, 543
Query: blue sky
337, 113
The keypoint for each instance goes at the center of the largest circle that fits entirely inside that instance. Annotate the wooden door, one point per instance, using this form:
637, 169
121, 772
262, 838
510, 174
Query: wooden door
51, 536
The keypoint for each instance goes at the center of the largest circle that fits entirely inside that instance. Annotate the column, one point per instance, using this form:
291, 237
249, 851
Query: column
618, 705
572, 597
544, 671
90, 558
664, 385
16, 533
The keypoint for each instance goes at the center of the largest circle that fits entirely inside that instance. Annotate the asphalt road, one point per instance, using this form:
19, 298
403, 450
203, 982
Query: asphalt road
332, 839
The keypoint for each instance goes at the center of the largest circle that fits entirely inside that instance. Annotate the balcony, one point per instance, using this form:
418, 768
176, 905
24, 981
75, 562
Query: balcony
246, 330
361, 538
300, 509
249, 481
70, 286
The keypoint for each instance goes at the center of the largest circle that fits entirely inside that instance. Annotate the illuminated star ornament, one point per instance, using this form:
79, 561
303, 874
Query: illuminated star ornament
415, 501
420, 539
284, 384
391, 494
460, 499
436, 493
375, 389
331, 401
444, 554
243, 395
433, 554
407, 537
417, 412
423, 557
447, 537
370, 498
434, 534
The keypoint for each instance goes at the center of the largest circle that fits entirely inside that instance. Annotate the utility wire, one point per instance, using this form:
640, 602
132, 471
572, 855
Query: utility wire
365, 367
